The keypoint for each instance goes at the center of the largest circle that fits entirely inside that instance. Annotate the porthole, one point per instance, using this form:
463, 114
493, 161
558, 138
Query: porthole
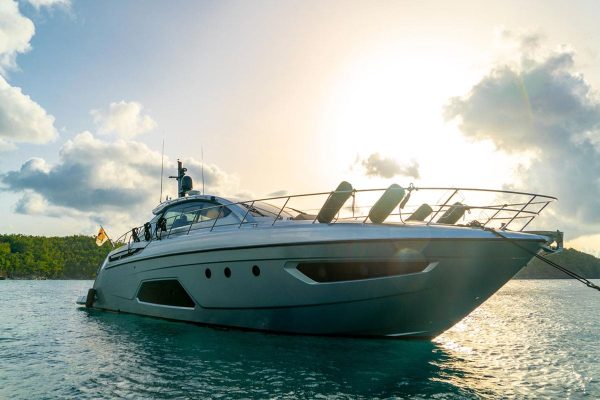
207, 273
227, 272
255, 270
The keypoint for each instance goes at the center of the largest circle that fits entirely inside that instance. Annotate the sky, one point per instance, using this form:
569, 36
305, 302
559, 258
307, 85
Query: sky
292, 97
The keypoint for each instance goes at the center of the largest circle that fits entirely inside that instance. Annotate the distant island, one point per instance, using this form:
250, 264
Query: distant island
581, 263
78, 257
39, 257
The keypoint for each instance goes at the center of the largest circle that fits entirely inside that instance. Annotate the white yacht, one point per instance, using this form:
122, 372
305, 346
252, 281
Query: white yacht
396, 268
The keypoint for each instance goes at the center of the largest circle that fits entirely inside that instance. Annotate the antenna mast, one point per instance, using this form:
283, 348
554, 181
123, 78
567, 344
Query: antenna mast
162, 165
181, 186
202, 158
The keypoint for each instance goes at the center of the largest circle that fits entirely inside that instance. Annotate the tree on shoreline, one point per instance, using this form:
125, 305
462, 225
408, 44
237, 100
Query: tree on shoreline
39, 257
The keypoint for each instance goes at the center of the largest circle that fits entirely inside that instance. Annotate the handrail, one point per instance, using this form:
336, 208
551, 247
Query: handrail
485, 190
247, 211
280, 211
443, 205
530, 207
518, 212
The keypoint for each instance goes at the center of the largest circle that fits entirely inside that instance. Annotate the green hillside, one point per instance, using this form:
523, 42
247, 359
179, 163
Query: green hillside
581, 263
38, 257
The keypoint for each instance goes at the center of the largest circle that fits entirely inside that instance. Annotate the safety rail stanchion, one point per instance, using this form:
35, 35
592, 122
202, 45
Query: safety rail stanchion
518, 212
246, 214
196, 218
216, 219
121, 239
281, 210
494, 216
442, 206
536, 214
171, 228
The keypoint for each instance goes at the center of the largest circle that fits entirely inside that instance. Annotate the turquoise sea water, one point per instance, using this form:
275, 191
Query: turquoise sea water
533, 339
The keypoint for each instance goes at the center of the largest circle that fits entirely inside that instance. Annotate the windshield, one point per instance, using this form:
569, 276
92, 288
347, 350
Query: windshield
190, 212
261, 209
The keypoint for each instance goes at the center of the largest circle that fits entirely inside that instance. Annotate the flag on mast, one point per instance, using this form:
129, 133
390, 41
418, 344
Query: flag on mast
101, 237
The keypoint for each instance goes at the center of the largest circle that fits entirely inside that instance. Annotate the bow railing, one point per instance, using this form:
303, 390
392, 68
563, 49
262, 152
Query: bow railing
474, 207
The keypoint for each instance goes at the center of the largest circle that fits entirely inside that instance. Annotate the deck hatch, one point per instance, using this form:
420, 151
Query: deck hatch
167, 292
326, 271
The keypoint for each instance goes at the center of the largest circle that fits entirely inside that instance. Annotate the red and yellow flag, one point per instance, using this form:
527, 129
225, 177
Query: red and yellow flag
102, 237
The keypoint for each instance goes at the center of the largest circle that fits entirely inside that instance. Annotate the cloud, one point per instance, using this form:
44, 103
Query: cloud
16, 32
49, 3
587, 243
216, 181
113, 183
375, 165
541, 108
6, 146
22, 119
124, 119
278, 193
32, 203
91, 174
518, 43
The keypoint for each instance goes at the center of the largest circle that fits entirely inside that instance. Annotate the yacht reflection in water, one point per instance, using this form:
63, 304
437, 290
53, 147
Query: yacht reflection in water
152, 355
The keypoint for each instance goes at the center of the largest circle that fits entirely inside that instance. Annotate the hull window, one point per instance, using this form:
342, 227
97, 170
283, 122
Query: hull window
165, 292
356, 270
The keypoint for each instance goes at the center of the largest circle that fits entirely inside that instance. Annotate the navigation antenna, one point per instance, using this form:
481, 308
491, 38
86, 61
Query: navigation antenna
162, 165
184, 183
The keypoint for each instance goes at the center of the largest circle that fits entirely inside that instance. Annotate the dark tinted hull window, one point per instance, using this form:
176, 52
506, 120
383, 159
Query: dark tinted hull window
165, 292
356, 270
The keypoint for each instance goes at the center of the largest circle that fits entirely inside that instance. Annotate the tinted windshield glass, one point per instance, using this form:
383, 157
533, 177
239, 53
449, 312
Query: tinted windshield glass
186, 213
260, 209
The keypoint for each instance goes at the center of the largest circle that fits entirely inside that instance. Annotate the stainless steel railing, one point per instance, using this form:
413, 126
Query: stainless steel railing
499, 209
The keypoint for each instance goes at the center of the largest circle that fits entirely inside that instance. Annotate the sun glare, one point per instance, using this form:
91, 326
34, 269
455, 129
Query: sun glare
391, 102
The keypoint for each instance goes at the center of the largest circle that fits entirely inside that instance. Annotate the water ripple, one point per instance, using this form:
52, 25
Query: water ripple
533, 339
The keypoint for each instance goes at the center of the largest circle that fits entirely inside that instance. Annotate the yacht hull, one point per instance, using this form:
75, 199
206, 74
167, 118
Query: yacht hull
261, 287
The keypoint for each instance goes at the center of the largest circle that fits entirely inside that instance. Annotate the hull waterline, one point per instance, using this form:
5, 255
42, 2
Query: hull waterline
457, 276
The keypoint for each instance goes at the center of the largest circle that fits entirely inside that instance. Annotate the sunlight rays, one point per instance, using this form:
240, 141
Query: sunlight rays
389, 103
